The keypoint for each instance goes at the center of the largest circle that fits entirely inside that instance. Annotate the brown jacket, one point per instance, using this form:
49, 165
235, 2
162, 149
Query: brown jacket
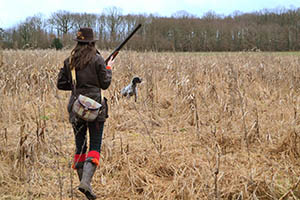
90, 81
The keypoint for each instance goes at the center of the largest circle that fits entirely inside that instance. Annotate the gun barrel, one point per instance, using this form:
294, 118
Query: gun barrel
123, 43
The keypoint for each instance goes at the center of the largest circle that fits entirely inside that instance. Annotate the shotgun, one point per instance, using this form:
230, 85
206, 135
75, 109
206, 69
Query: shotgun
116, 51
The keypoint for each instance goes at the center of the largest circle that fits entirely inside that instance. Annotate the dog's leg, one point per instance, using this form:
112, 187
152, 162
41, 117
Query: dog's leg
135, 94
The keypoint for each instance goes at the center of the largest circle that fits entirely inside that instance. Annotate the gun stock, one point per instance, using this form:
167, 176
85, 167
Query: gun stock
116, 51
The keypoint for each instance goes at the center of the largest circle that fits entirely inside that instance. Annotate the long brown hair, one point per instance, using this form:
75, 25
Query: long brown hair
82, 54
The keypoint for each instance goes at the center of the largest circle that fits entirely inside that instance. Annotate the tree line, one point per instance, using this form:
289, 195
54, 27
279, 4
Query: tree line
266, 30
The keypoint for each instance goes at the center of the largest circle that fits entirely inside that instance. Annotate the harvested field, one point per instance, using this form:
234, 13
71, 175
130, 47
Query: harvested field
206, 126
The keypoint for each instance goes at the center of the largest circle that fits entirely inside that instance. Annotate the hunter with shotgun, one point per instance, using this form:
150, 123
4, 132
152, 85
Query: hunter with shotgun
86, 73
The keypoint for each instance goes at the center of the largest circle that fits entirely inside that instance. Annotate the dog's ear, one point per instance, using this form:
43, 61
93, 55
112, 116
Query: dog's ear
136, 80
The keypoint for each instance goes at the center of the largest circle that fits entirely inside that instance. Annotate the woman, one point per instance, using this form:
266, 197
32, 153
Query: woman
92, 75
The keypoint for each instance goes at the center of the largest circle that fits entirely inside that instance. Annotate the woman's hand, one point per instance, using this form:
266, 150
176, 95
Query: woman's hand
111, 61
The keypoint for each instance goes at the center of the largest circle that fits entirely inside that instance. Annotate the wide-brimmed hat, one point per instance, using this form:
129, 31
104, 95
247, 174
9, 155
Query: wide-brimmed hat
85, 35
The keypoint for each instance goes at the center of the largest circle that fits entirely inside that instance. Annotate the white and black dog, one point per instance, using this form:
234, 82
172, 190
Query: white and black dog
131, 89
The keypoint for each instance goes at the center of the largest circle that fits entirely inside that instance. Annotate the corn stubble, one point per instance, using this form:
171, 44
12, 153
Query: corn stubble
206, 126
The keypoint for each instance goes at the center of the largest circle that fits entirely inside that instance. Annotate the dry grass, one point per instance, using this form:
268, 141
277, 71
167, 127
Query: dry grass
206, 126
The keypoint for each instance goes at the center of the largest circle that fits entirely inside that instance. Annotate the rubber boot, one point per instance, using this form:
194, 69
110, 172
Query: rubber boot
79, 173
79, 168
85, 184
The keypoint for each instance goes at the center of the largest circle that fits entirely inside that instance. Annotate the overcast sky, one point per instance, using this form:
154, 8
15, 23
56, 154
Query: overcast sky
13, 12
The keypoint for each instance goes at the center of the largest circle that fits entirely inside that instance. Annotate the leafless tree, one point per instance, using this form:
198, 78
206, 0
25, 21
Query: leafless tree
84, 20
267, 30
113, 17
62, 21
